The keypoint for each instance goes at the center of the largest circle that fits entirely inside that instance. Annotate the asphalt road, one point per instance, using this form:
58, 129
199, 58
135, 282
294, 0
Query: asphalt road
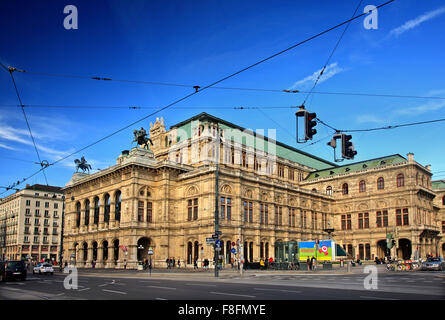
103, 285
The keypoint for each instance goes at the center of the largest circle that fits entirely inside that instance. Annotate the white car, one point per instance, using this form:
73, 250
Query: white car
43, 268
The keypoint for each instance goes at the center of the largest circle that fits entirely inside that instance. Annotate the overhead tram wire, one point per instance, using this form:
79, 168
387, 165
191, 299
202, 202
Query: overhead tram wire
147, 107
332, 53
11, 70
216, 82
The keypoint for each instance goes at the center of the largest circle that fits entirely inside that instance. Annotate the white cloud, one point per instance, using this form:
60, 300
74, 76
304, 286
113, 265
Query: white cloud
370, 118
423, 108
330, 71
417, 21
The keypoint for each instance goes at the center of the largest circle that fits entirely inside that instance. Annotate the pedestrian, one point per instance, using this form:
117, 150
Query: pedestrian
179, 263
195, 264
93, 264
309, 264
167, 262
261, 264
231, 261
313, 263
173, 262
125, 264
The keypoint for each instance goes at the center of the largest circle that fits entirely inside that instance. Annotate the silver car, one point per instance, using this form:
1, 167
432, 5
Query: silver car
437, 263
43, 268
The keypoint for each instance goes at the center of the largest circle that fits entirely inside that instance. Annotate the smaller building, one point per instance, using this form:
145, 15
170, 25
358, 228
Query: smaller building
30, 223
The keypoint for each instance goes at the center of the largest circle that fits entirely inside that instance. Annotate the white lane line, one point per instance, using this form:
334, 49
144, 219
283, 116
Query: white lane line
202, 285
83, 289
160, 299
377, 298
156, 287
279, 290
112, 291
103, 285
233, 294
149, 281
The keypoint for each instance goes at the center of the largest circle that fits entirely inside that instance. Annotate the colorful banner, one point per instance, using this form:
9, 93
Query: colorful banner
323, 251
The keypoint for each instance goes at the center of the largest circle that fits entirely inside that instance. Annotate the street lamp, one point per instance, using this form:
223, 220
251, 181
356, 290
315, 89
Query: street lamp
61, 234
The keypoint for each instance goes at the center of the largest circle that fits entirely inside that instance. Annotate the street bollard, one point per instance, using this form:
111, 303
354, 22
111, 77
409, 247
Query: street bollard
349, 266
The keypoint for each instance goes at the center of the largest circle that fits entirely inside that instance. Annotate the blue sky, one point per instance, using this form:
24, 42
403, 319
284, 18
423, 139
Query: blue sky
200, 42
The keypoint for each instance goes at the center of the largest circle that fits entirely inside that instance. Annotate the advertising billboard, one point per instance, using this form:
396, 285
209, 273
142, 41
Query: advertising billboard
323, 251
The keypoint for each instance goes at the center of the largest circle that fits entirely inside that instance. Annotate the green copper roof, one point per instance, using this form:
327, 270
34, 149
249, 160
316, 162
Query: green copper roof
439, 184
255, 140
363, 165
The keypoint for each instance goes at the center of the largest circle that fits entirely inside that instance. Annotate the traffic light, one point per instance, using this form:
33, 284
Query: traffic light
309, 122
347, 147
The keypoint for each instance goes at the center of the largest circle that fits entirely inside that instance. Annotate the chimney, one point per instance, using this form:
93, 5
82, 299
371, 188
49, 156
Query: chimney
410, 157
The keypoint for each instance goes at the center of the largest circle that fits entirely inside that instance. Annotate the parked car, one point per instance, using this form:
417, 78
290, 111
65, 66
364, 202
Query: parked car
43, 268
434, 263
12, 270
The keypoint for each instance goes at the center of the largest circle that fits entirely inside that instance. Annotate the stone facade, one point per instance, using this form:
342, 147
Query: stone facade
164, 199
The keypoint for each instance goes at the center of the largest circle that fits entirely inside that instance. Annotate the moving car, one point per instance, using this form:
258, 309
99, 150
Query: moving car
43, 268
12, 270
437, 263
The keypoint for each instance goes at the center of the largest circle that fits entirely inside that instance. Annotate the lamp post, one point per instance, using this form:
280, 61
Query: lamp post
61, 235
216, 252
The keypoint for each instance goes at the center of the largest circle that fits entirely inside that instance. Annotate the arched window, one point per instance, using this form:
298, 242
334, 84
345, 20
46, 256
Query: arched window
443, 200
329, 191
345, 188
117, 203
78, 214
380, 183
96, 210
107, 208
362, 186
87, 212
400, 180
314, 190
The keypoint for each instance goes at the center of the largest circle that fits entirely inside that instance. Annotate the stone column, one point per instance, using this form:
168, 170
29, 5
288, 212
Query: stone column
112, 214
132, 257
110, 260
100, 257
89, 256
101, 216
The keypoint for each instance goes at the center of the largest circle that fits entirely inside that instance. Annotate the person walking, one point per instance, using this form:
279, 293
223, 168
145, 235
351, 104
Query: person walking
195, 264
309, 265
167, 261
179, 263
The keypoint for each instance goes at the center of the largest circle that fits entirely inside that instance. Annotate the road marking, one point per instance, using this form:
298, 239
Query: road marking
160, 299
233, 294
83, 289
199, 284
280, 290
120, 292
168, 288
103, 285
149, 281
378, 298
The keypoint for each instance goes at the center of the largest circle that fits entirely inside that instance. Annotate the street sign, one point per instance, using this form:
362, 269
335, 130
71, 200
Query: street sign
218, 232
150, 252
210, 240
218, 243
233, 244
214, 236
233, 250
